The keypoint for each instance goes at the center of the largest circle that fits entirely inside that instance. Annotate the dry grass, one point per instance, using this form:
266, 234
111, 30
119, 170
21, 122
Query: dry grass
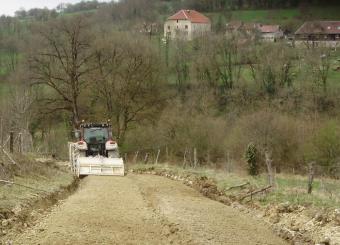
47, 177
290, 188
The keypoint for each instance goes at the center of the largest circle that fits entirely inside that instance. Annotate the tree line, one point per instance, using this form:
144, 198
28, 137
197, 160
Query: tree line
214, 96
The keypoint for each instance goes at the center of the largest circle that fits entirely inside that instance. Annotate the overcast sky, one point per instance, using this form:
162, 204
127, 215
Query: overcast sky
8, 7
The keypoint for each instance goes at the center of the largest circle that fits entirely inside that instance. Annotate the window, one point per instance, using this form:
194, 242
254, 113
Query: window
338, 27
186, 27
96, 135
177, 21
168, 27
328, 27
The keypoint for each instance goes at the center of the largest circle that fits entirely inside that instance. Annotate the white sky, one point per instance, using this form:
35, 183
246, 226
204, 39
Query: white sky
8, 7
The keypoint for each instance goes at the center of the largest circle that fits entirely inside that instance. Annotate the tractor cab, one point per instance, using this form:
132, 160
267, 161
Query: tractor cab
96, 136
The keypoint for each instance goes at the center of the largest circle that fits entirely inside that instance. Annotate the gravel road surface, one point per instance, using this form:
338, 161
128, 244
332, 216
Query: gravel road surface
144, 209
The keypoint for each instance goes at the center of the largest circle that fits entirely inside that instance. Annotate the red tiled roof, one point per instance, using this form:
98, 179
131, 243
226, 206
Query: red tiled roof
269, 28
191, 15
319, 27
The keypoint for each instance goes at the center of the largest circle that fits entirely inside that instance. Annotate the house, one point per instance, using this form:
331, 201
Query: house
318, 33
186, 25
237, 27
271, 32
252, 31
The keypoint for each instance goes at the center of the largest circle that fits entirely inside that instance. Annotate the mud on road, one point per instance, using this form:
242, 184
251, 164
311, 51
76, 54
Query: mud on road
144, 209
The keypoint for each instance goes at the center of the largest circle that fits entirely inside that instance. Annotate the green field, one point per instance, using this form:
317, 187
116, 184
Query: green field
290, 18
265, 16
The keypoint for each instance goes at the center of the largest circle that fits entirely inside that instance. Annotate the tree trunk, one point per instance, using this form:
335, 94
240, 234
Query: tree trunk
311, 172
269, 164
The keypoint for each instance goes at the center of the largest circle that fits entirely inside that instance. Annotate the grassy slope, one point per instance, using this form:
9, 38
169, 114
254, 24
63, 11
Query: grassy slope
290, 188
280, 15
43, 176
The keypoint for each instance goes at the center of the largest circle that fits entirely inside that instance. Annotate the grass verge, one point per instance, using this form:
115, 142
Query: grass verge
38, 186
290, 188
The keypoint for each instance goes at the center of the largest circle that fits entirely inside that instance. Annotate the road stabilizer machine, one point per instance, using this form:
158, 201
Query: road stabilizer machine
95, 152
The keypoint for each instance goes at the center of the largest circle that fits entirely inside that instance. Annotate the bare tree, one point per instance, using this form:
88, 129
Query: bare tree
127, 81
220, 65
61, 63
271, 67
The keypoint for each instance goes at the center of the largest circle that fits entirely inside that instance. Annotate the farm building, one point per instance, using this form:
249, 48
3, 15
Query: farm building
186, 25
254, 30
271, 32
319, 31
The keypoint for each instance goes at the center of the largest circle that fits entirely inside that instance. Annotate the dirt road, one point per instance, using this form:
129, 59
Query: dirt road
143, 209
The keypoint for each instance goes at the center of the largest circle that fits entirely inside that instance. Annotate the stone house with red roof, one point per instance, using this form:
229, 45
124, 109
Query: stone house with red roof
186, 25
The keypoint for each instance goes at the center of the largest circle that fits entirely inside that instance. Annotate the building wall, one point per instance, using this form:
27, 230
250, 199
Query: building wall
184, 29
318, 37
315, 44
273, 36
200, 29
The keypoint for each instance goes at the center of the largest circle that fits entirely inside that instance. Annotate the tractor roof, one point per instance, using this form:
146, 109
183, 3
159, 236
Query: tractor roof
95, 125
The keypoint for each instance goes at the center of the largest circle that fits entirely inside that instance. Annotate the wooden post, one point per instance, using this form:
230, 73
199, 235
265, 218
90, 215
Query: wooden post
136, 157
228, 162
185, 158
1, 132
146, 158
11, 142
157, 157
195, 157
269, 162
20, 142
167, 153
208, 157
311, 172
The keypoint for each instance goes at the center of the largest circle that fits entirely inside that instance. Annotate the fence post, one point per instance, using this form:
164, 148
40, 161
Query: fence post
146, 158
159, 151
271, 171
11, 142
136, 157
1, 132
20, 143
185, 158
167, 153
195, 157
228, 162
311, 172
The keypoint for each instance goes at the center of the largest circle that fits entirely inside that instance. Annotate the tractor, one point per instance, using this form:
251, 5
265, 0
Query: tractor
95, 152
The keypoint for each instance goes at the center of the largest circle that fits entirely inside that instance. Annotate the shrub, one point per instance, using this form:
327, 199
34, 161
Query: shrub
324, 146
251, 156
279, 133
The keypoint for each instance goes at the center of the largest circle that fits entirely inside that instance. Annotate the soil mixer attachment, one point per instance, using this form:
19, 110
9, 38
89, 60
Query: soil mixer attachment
95, 153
